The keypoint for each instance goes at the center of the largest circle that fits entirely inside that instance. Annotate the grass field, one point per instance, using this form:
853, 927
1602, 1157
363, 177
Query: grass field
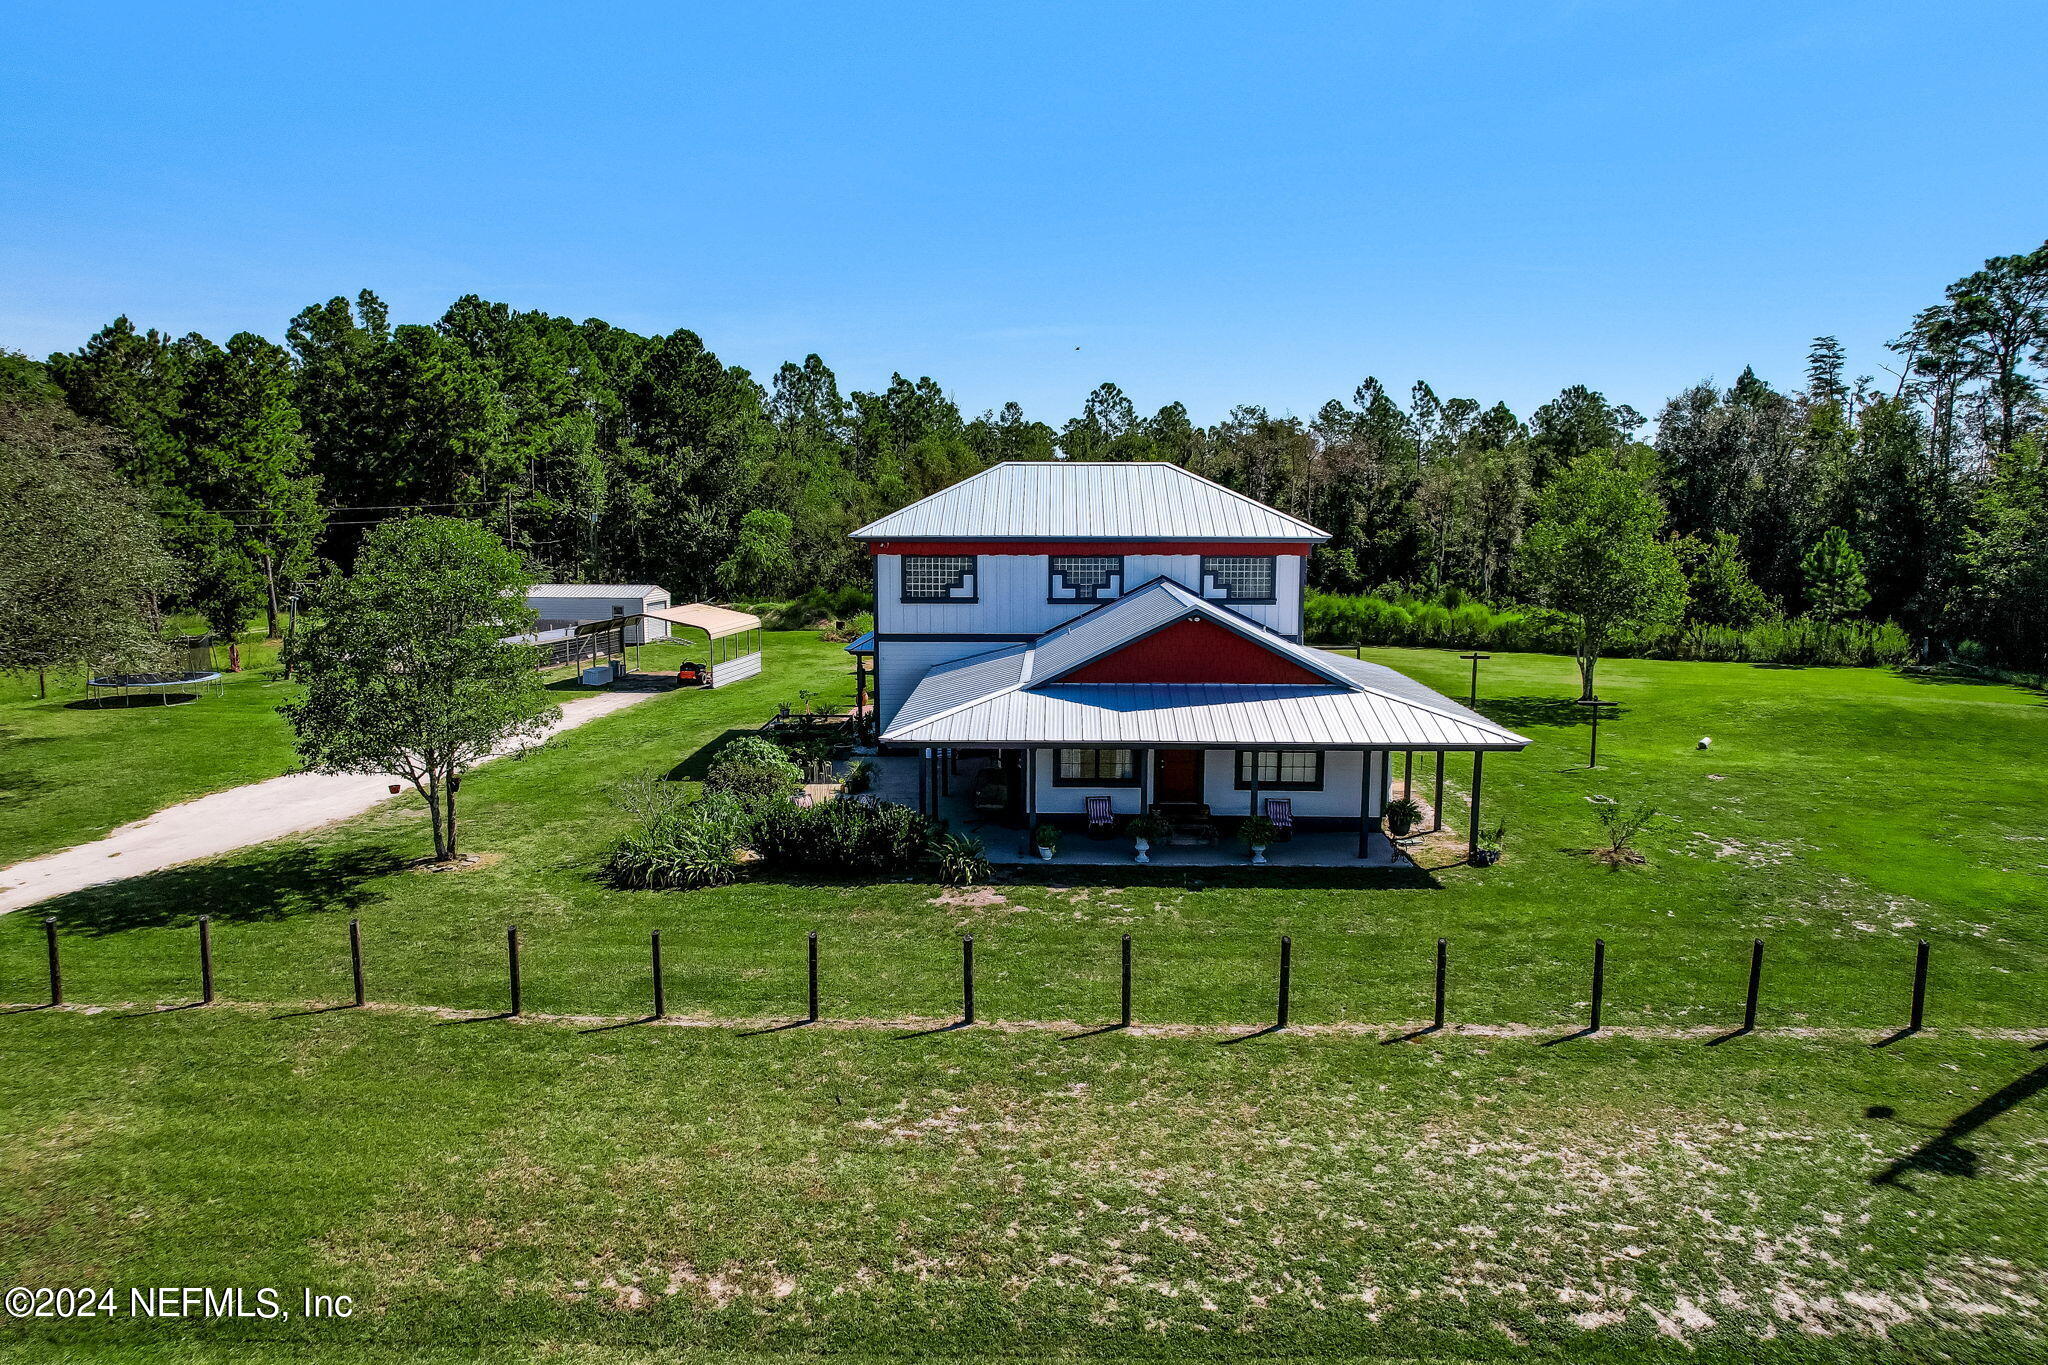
1017, 1190
1839, 815
607, 1196
70, 769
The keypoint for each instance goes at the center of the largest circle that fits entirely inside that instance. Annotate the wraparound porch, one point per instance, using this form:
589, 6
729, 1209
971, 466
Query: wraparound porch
1337, 799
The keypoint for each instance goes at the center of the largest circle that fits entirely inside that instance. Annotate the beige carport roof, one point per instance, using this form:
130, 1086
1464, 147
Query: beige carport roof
713, 621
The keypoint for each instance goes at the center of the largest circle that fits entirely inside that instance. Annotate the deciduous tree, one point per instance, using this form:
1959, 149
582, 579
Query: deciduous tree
405, 665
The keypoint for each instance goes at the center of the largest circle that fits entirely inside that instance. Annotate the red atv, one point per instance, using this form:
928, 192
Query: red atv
691, 674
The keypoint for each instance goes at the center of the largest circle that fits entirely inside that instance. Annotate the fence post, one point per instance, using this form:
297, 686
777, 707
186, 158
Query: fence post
1126, 1015
1756, 981
205, 960
1442, 962
1599, 980
1286, 978
967, 977
512, 960
814, 977
355, 958
1919, 985
660, 989
56, 968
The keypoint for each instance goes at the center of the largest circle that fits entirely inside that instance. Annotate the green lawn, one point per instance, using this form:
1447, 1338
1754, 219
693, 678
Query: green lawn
856, 1189
612, 1195
1839, 814
70, 769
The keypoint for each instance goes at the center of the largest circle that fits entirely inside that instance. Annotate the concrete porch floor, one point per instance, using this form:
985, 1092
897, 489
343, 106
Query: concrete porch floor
896, 781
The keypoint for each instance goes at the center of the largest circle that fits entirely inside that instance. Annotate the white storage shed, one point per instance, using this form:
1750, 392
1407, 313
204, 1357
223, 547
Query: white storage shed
575, 604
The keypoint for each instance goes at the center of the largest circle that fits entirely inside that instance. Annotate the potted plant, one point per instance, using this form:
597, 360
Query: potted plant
1046, 839
1402, 817
1257, 832
1488, 851
1145, 830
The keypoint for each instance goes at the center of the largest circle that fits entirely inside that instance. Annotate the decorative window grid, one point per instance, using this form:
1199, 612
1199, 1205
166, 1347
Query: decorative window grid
1086, 578
938, 578
1281, 769
1239, 578
1096, 767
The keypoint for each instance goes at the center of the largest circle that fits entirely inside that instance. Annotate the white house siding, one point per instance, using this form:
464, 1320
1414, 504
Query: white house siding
1338, 798
900, 663
1011, 591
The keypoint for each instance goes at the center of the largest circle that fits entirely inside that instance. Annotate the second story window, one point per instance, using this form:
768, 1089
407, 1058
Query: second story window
1238, 578
1084, 578
938, 578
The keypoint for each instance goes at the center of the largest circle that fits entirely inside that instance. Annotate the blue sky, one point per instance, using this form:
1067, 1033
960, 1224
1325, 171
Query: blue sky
1219, 203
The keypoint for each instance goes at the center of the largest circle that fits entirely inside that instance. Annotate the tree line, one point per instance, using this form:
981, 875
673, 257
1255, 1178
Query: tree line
601, 454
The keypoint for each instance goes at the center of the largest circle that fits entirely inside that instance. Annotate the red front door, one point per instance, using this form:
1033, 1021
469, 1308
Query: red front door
1177, 777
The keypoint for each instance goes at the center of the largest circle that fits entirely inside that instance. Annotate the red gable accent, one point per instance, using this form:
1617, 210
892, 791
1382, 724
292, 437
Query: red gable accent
1194, 652
1089, 547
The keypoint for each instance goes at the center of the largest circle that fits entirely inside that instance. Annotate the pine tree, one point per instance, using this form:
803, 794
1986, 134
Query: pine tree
1835, 587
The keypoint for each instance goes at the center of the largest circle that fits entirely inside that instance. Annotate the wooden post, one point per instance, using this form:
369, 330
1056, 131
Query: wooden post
1125, 1017
1286, 979
1919, 985
1364, 802
813, 995
56, 968
355, 958
1756, 981
967, 977
1436, 817
205, 960
660, 989
1443, 953
1478, 771
512, 960
1599, 981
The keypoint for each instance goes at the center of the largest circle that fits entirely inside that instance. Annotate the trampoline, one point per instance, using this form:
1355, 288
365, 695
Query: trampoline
129, 686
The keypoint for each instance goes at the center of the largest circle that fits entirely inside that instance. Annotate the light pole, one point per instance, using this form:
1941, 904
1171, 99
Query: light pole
1593, 704
1475, 657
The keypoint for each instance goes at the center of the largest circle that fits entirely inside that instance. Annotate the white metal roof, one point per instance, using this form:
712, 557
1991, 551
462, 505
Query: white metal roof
1088, 500
1011, 695
594, 589
715, 622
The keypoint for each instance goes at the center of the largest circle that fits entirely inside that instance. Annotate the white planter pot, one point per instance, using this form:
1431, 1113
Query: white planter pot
1144, 850
1258, 855
1045, 853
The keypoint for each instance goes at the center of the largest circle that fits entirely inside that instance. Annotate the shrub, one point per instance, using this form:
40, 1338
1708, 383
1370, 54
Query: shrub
860, 776
753, 768
958, 860
1256, 830
687, 847
845, 836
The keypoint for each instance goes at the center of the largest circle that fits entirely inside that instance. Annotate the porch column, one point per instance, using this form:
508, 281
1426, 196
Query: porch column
924, 777
1030, 790
1364, 802
1407, 774
1472, 838
1145, 759
1436, 821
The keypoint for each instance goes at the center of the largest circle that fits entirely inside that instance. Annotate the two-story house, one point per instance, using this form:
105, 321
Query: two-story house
1134, 631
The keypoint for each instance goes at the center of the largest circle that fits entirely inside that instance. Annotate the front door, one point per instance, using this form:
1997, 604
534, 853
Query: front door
1177, 777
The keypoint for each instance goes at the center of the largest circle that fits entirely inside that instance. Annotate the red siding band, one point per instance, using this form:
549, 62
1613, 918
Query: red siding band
1089, 547
1193, 652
